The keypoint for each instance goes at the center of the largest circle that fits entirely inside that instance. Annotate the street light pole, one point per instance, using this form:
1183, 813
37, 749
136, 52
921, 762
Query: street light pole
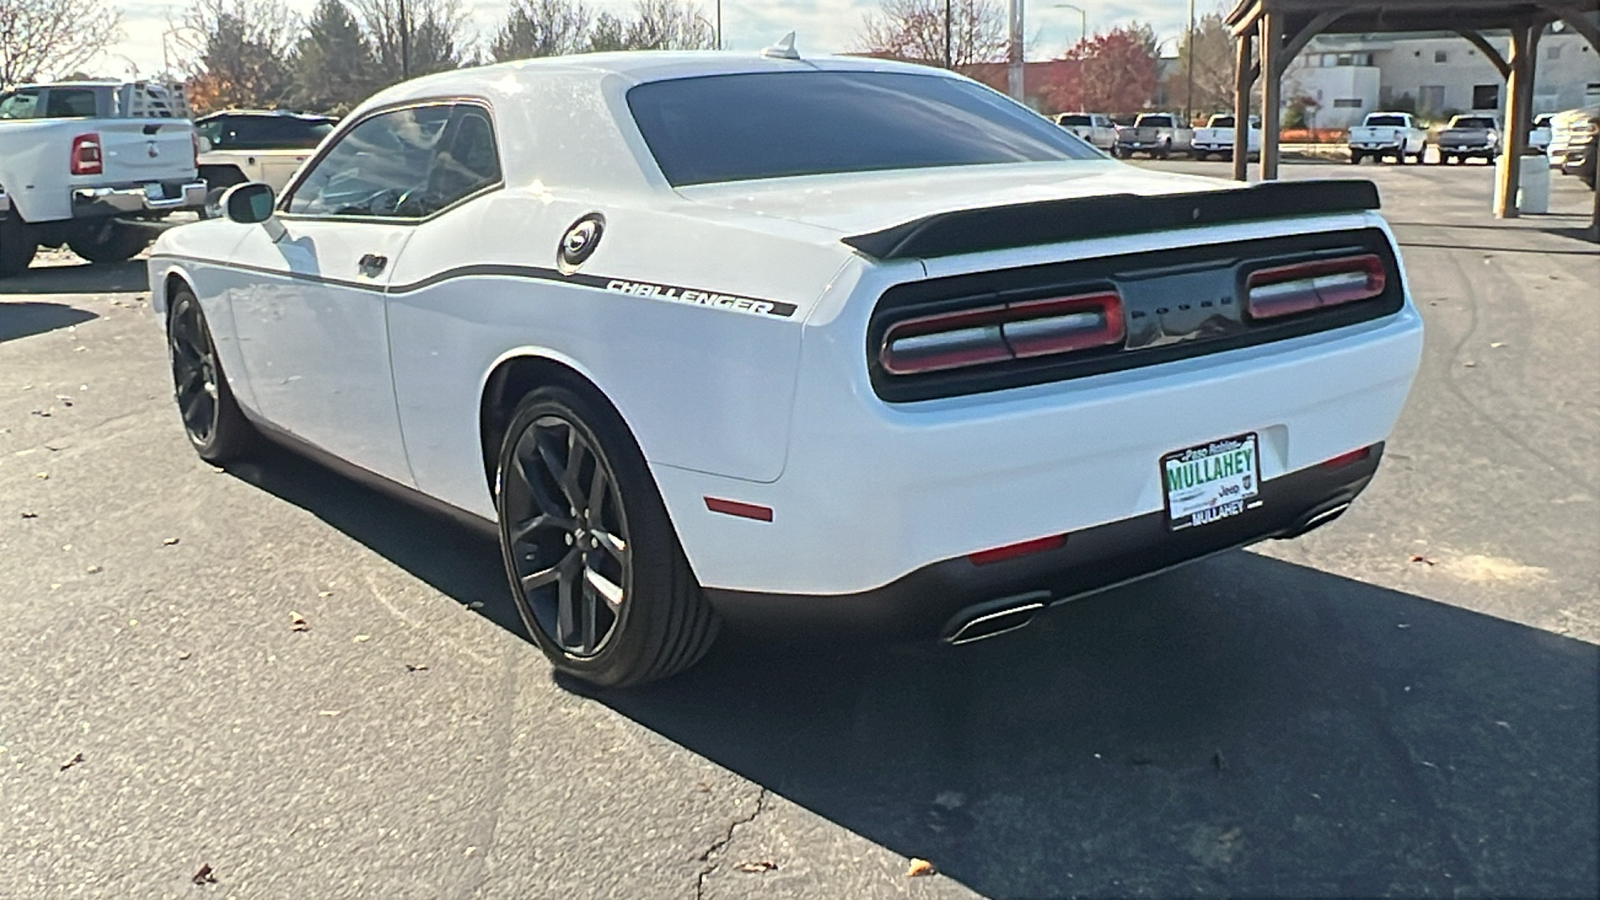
1014, 63
948, 60
719, 23
1083, 44
1188, 93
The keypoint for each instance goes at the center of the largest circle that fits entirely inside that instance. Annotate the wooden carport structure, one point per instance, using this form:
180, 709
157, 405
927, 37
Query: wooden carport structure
1268, 34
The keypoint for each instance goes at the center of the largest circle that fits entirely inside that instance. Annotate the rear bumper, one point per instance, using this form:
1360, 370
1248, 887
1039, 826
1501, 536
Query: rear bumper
933, 601
129, 199
5, 204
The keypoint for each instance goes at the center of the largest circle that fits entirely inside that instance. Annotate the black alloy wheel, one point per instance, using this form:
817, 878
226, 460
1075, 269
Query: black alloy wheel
592, 559
567, 535
211, 418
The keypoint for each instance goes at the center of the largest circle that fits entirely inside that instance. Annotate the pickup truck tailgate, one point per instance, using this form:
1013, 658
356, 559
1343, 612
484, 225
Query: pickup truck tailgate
144, 150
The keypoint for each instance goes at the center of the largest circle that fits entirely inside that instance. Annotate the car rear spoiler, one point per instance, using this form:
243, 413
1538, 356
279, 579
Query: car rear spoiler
1051, 221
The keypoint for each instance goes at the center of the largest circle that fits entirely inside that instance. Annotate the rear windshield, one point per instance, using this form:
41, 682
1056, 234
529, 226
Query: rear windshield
1222, 121
1480, 122
1386, 121
1073, 120
770, 125
1154, 122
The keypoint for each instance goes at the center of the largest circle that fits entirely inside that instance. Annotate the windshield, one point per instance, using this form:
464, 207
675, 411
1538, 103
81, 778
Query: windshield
1066, 120
1386, 121
1479, 123
771, 125
1222, 121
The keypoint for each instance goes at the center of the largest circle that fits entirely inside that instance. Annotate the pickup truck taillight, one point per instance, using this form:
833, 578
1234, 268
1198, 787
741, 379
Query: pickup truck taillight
1286, 290
991, 334
86, 155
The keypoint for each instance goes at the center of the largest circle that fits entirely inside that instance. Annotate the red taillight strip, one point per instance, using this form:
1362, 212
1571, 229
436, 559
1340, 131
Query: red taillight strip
742, 510
1286, 290
1021, 548
1345, 459
989, 334
85, 158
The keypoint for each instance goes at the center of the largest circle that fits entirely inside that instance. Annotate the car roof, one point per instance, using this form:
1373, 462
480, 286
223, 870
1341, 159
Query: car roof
274, 113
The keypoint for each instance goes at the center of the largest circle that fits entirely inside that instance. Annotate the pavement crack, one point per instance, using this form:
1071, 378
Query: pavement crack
724, 841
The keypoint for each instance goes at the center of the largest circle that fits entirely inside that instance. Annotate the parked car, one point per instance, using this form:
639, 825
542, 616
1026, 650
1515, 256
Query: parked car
1158, 134
1562, 125
80, 160
782, 344
1469, 136
1579, 159
1096, 128
1217, 137
1392, 134
1539, 134
240, 145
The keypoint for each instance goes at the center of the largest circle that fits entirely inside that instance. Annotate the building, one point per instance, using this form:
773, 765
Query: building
1341, 78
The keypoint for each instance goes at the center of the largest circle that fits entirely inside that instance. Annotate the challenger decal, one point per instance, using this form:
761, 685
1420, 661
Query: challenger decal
701, 298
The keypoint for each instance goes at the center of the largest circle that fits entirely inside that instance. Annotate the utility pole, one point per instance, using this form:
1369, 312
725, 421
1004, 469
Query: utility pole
719, 23
1014, 63
405, 44
1188, 93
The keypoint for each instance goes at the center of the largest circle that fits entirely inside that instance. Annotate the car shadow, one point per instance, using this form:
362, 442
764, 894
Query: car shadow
1243, 726
20, 319
129, 277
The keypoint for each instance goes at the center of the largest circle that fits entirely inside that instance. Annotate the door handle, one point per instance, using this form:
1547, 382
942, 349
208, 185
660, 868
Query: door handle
372, 264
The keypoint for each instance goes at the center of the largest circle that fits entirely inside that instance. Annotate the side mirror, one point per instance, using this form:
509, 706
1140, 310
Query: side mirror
248, 204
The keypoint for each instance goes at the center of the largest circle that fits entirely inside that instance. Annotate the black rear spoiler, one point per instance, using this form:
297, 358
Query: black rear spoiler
1050, 221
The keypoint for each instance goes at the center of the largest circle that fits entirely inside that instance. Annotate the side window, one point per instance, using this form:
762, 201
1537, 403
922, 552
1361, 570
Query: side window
378, 168
471, 164
19, 104
211, 130
70, 103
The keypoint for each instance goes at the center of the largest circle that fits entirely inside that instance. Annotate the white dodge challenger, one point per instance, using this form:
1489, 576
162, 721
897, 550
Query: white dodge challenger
833, 342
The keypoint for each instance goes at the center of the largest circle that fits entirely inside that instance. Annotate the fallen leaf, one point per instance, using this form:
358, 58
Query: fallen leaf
766, 865
298, 622
476, 604
329, 712
703, 788
416, 667
1505, 725
361, 638
1419, 558
1402, 625
168, 542
42, 413
185, 655
919, 868
42, 476
1469, 364
324, 593
1498, 344
77, 758
204, 876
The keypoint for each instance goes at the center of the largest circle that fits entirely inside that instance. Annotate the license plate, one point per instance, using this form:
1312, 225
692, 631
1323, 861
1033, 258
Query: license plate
154, 192
1211, 482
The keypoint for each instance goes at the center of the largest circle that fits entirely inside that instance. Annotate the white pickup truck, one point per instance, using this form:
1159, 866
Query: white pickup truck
1217, 137
79, 160
1096, 128
1383, 134
1158, 134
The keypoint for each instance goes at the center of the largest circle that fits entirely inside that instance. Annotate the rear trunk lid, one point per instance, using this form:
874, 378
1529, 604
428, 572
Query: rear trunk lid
137, 151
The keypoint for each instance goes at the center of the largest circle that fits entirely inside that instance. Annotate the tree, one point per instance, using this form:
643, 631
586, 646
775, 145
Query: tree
242, 51
1212, 54
413, 37
40, 37
607, 33
669, 25
1118, 69
334, 68
914, 30
542, 28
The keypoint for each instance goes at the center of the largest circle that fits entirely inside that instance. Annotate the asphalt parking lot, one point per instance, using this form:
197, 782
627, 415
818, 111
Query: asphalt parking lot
1403, 703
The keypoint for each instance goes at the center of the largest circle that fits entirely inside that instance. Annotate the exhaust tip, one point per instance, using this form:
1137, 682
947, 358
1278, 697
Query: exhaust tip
994, 618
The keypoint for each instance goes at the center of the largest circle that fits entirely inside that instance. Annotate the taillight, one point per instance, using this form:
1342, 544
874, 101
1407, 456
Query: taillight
989, 334
1012, 551
1286, 290
86, 155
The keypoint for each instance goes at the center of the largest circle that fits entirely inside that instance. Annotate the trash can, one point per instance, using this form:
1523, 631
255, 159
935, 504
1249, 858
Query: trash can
1533, 195
1533, 183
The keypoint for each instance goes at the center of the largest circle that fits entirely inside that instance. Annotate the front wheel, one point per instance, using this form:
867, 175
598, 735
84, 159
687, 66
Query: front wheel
108, 242
594, 564
216, 427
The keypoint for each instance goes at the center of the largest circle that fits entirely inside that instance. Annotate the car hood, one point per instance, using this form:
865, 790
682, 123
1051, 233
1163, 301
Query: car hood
862, 202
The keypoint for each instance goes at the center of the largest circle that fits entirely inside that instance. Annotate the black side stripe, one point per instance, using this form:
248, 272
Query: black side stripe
668, 292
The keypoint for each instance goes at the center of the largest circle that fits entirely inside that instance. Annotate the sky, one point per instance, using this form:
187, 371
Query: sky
822, 26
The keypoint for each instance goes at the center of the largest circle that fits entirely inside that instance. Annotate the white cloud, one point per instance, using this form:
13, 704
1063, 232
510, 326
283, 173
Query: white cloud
823, 26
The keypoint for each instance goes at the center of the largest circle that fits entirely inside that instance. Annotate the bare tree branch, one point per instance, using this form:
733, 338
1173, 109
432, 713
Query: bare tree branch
52, 37
914, 30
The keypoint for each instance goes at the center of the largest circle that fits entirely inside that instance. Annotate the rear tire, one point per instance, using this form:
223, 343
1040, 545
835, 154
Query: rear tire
1355, 158
108, 242
18, 244
592, 559
211, 417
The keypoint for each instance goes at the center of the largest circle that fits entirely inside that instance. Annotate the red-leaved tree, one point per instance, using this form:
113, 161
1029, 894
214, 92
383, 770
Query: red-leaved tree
1117, 74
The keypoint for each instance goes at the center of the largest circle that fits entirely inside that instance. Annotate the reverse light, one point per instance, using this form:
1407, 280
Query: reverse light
86, 155
1012, 551
1286, 290
989, 334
